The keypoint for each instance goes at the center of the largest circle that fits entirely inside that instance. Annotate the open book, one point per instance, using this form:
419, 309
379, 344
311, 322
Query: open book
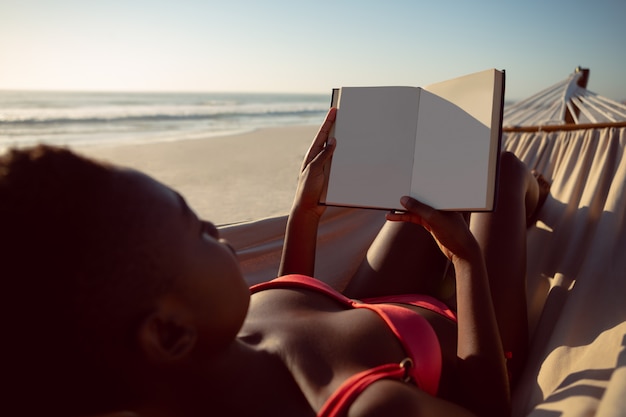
439, 144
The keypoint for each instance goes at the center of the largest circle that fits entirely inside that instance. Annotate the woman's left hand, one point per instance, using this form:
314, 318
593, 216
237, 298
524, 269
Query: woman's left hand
448, 228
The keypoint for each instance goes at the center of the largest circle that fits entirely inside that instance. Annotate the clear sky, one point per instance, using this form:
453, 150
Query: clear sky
307, 46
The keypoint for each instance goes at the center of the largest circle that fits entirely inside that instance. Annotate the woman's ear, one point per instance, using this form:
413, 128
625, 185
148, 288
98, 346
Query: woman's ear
169, 333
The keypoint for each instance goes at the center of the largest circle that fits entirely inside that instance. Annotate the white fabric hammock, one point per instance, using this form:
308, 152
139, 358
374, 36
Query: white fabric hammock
550, 106
576, 275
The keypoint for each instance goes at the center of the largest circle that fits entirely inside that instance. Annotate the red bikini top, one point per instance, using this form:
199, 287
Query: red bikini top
423, 363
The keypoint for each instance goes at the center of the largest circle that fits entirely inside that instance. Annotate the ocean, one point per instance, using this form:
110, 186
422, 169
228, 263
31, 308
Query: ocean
96, 118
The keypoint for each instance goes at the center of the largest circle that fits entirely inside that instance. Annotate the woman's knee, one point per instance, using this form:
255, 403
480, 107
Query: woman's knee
512, 171
510, 164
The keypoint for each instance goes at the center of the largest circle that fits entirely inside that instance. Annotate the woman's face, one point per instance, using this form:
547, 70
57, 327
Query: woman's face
208, 279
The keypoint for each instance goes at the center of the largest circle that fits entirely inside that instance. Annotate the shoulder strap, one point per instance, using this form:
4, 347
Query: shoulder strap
339, 402
304, 282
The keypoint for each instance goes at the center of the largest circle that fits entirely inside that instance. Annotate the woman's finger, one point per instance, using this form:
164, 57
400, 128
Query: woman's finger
424, 211
396, 216
319, 142
324, 154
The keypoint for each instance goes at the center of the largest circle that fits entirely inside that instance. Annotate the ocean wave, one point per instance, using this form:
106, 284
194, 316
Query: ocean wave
70, 118
52, 119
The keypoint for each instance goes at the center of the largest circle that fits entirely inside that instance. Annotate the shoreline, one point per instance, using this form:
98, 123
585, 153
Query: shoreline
225, 179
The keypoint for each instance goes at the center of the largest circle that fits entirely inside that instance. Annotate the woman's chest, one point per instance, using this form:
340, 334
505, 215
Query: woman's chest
320, 341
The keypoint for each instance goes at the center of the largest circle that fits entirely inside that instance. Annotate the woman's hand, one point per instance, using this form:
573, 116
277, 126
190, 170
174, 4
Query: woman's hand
313, 173
298, 255
449, 228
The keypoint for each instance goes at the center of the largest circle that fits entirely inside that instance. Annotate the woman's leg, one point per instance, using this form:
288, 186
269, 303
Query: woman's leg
502, 237
402, 259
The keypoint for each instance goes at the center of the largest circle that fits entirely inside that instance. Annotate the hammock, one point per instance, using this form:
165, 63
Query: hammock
576, 269
566, 102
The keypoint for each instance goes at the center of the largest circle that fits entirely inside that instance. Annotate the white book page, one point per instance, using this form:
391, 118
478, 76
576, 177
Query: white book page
373, 160
480, 95
474, 93
451, 156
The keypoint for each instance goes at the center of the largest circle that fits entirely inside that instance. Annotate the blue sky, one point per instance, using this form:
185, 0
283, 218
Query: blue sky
312, 46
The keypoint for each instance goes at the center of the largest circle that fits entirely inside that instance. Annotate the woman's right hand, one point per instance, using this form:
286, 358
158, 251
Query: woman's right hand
312, 178
448, 228
299, 248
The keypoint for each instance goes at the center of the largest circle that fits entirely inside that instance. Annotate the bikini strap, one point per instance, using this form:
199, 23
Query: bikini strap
304, 282
341, 400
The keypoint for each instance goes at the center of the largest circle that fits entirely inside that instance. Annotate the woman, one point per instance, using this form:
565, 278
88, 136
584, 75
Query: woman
120, 298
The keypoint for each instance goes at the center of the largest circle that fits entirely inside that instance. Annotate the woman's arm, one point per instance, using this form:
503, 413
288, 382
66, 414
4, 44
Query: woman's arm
298, 256
483, 382
394, 398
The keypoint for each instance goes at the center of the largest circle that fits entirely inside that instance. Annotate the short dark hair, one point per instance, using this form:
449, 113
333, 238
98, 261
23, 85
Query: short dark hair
77, 276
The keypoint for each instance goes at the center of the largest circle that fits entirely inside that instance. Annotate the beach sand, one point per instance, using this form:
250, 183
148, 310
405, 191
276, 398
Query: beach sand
227, 179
